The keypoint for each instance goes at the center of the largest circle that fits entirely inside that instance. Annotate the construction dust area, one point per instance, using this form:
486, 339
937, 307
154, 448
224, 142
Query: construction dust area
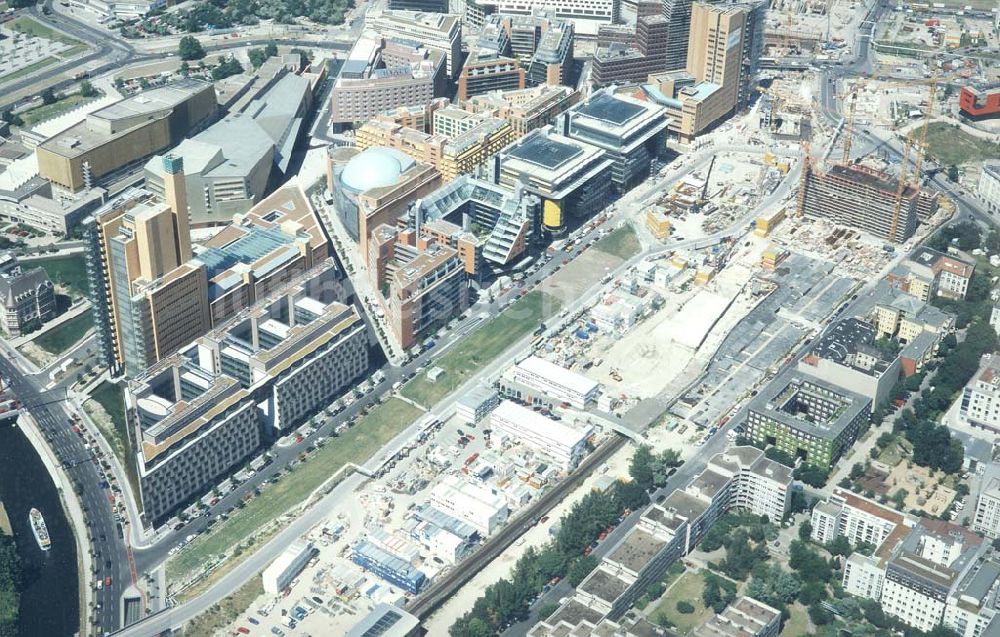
796, 298
784, 110
856, 254
796, 27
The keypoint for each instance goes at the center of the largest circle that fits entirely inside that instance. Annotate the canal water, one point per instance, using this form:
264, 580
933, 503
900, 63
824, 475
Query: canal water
49, 602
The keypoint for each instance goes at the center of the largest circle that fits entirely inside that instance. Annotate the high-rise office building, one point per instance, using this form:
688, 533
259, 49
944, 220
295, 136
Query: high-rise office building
715, 48
678, 21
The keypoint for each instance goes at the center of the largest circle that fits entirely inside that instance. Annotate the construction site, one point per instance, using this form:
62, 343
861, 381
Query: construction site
812, 27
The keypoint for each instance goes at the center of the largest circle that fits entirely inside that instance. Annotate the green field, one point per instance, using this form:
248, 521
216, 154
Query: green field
951, 146
356, 445
28, 70
68, 271
482, 346
36, 29
622, 243
110, 397
687, 588
61, 337
798, 622
48, 111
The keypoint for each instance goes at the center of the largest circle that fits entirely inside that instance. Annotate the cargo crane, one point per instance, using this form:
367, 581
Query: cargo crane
900, 189
921, 147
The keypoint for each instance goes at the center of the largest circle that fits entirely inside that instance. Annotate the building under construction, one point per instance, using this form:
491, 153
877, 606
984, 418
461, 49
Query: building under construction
863, 198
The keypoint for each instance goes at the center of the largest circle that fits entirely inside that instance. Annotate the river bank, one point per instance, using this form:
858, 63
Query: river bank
50, 602
5, 528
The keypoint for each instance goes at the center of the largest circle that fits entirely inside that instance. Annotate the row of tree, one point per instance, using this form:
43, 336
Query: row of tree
10, 583
508, 600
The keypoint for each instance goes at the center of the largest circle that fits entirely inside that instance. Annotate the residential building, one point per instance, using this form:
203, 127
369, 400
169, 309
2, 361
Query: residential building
980, 101
571, 177
861, 521
27, 298
374, 187
807, 418
526, 109
989, 186
631, 132
485, 72
460, 143
665, 533
745, 617
381, 75
547, 378
228, 166
986, 519
151, 296
563, 444
846, 356
280, 573
117, 136
917, 325
971, 609
386, 620
489, 225
862, 198
477, 505
980, 406
435, 30
925, 570
927, 273
587, 16
422, 283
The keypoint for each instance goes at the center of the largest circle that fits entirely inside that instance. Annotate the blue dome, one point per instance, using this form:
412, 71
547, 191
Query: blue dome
375, 168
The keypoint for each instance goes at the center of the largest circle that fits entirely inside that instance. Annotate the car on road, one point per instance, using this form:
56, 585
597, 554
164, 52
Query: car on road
107, 581
253, 620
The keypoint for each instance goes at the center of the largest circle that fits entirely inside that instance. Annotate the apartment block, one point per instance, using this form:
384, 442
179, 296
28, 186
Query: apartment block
917, 325
526, 109
989, 186
980, 406
808, 418
971, 609
846, 356
117, 136
422, 283
862, 198
986, 519
745, 617
485, 72
927, 273
631, 132
435, 30
668, 531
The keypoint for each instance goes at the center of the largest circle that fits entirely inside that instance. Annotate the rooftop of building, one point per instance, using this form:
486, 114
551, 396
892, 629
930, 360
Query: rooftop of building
603, 585
636, 549
870, 178
549, 156
939, 261
558, 374
745, 617
613, 111
27, 281
912, 554
385, 620
677, 509
790, 397
554, 430
573, 613
442, 22
375, 167
850, 342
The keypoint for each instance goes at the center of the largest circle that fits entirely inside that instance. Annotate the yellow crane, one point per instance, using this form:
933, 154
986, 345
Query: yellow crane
804, 178
921, 147
849, 126
900, 188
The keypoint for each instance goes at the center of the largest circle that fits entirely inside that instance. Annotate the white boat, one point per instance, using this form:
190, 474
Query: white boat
39, 529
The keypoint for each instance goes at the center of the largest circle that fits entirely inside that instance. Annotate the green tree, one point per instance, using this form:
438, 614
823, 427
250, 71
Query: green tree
811, 474
819, 615
87, 89
685, 607
840, 546
953, 173
185, 68
640, 467
189, 48
271, 50
546, 609
49, 96
805, 531
257, 57
227, 67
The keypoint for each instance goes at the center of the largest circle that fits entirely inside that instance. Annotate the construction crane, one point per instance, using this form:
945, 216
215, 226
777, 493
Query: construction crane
849, 130
921, 147
804, 178
900, 188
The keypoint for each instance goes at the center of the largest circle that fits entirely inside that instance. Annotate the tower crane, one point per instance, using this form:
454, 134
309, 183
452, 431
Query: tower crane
900, 188
921, 147
849, 131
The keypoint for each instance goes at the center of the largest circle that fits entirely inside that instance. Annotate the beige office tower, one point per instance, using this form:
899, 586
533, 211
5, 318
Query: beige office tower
158, 297
715, 50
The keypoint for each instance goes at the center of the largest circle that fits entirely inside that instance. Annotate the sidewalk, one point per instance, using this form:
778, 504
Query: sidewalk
74, 311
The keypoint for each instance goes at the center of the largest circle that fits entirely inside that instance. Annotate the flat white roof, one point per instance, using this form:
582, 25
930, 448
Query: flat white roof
287, 558
558, 375
455, 489
553, 430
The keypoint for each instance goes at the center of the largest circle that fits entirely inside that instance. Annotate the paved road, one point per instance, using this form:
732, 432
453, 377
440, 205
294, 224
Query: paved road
110, 551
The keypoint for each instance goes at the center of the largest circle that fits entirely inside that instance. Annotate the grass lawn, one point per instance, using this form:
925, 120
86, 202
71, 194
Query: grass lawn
68, 271
34, 28
356, 445
482, 346
894, 452
28, 70
48, 111
111, 399
220, 615
687, 588
798, 623
951, 146
621, 243
63, 336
